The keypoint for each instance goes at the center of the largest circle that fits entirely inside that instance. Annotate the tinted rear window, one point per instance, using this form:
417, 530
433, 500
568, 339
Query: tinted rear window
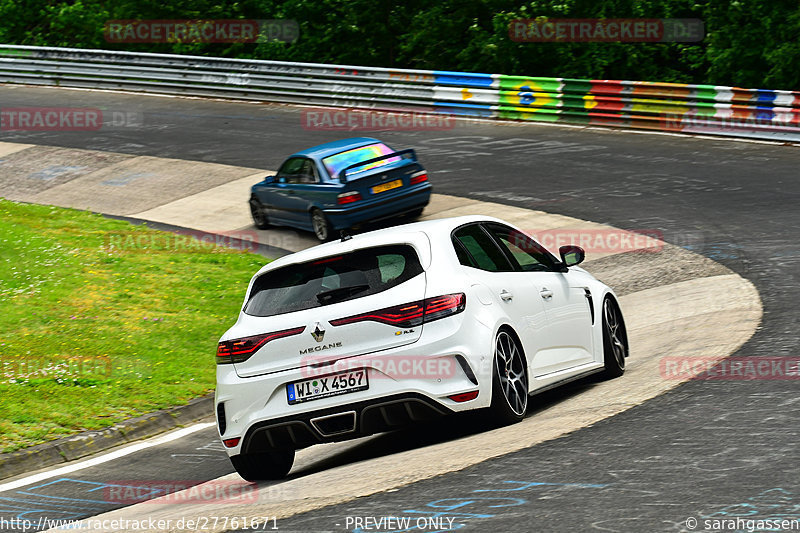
332, 279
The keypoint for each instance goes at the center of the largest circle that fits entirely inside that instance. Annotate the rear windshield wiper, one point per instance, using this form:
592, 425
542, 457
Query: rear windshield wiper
326, 297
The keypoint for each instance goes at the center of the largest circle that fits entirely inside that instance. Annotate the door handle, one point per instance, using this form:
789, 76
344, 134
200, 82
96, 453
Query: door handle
505, 295
546, 293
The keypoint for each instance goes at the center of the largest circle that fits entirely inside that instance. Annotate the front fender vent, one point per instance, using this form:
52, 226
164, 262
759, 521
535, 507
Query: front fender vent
588, 295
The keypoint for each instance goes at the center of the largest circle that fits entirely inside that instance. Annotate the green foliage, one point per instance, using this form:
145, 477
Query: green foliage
101, 320
750, 43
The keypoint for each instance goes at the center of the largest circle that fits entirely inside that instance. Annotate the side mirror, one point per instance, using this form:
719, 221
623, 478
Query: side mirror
571, 255
269, 179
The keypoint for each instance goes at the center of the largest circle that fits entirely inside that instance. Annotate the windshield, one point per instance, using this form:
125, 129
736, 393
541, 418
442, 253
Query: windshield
335, 163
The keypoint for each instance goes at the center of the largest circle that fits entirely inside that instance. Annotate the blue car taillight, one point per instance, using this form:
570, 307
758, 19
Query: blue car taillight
348, 197
419, 177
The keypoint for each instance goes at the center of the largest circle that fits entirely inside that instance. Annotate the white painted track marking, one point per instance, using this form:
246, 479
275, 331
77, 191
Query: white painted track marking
116, 454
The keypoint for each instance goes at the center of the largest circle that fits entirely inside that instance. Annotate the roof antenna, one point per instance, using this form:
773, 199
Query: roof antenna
344, 235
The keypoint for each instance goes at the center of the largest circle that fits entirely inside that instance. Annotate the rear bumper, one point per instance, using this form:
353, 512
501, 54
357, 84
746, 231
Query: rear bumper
256, 408
447, 360
379, 209
333, 424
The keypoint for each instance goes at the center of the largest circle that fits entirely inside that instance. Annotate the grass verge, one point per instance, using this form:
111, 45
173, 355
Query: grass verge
101, 320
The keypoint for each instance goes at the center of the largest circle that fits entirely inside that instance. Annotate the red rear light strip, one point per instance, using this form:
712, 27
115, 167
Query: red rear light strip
328, 260
411, 314
441, 303
390, 315
231, 351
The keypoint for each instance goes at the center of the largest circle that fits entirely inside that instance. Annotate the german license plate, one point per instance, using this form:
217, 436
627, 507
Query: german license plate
387, 186
327, 386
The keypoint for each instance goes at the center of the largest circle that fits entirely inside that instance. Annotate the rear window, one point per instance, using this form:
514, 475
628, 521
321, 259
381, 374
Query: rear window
332, 279
335, 163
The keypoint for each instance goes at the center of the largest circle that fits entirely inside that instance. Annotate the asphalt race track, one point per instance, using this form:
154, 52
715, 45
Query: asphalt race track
709, 450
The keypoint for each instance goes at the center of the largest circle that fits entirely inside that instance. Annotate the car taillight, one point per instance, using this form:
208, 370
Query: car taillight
411, 314
464, 396
328, 260
419, 177
240, 350
232, 443
348, 198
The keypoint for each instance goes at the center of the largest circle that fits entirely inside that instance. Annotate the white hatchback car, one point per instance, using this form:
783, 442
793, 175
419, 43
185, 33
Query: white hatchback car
403, 325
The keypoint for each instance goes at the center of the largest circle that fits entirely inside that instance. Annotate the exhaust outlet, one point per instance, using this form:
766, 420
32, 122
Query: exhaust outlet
331, 425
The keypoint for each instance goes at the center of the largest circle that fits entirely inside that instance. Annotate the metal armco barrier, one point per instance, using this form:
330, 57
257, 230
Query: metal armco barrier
701, 109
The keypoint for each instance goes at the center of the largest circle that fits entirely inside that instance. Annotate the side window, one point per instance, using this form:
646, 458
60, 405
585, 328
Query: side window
479, 250
391, 266
529, 254
291, 170
307, 174
463, 255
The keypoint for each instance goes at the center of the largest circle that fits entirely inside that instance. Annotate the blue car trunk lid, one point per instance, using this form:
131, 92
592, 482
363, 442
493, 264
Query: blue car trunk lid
382, 181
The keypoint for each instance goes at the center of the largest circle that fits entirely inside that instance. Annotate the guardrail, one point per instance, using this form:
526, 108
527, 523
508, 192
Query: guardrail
705, 109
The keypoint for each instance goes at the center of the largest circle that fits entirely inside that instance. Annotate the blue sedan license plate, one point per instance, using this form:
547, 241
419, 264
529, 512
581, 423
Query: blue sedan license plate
327, 386
387, 186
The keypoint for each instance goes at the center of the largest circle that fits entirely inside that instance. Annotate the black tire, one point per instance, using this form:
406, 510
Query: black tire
322, 228
509, 380
274, 464
615, 340
260, 219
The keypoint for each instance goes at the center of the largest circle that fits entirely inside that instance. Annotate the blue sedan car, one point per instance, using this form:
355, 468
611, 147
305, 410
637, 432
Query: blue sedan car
341, 185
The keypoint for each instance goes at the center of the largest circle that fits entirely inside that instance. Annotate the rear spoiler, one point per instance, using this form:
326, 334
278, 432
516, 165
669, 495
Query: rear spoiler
412, 155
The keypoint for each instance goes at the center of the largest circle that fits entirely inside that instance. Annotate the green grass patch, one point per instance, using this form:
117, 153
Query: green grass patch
101, 320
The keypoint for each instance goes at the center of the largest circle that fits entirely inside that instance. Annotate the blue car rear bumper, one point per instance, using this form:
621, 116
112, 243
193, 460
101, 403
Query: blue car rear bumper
379, 208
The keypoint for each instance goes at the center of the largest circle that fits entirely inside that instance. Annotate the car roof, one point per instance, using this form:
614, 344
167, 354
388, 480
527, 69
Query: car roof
324, 150
390, 235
